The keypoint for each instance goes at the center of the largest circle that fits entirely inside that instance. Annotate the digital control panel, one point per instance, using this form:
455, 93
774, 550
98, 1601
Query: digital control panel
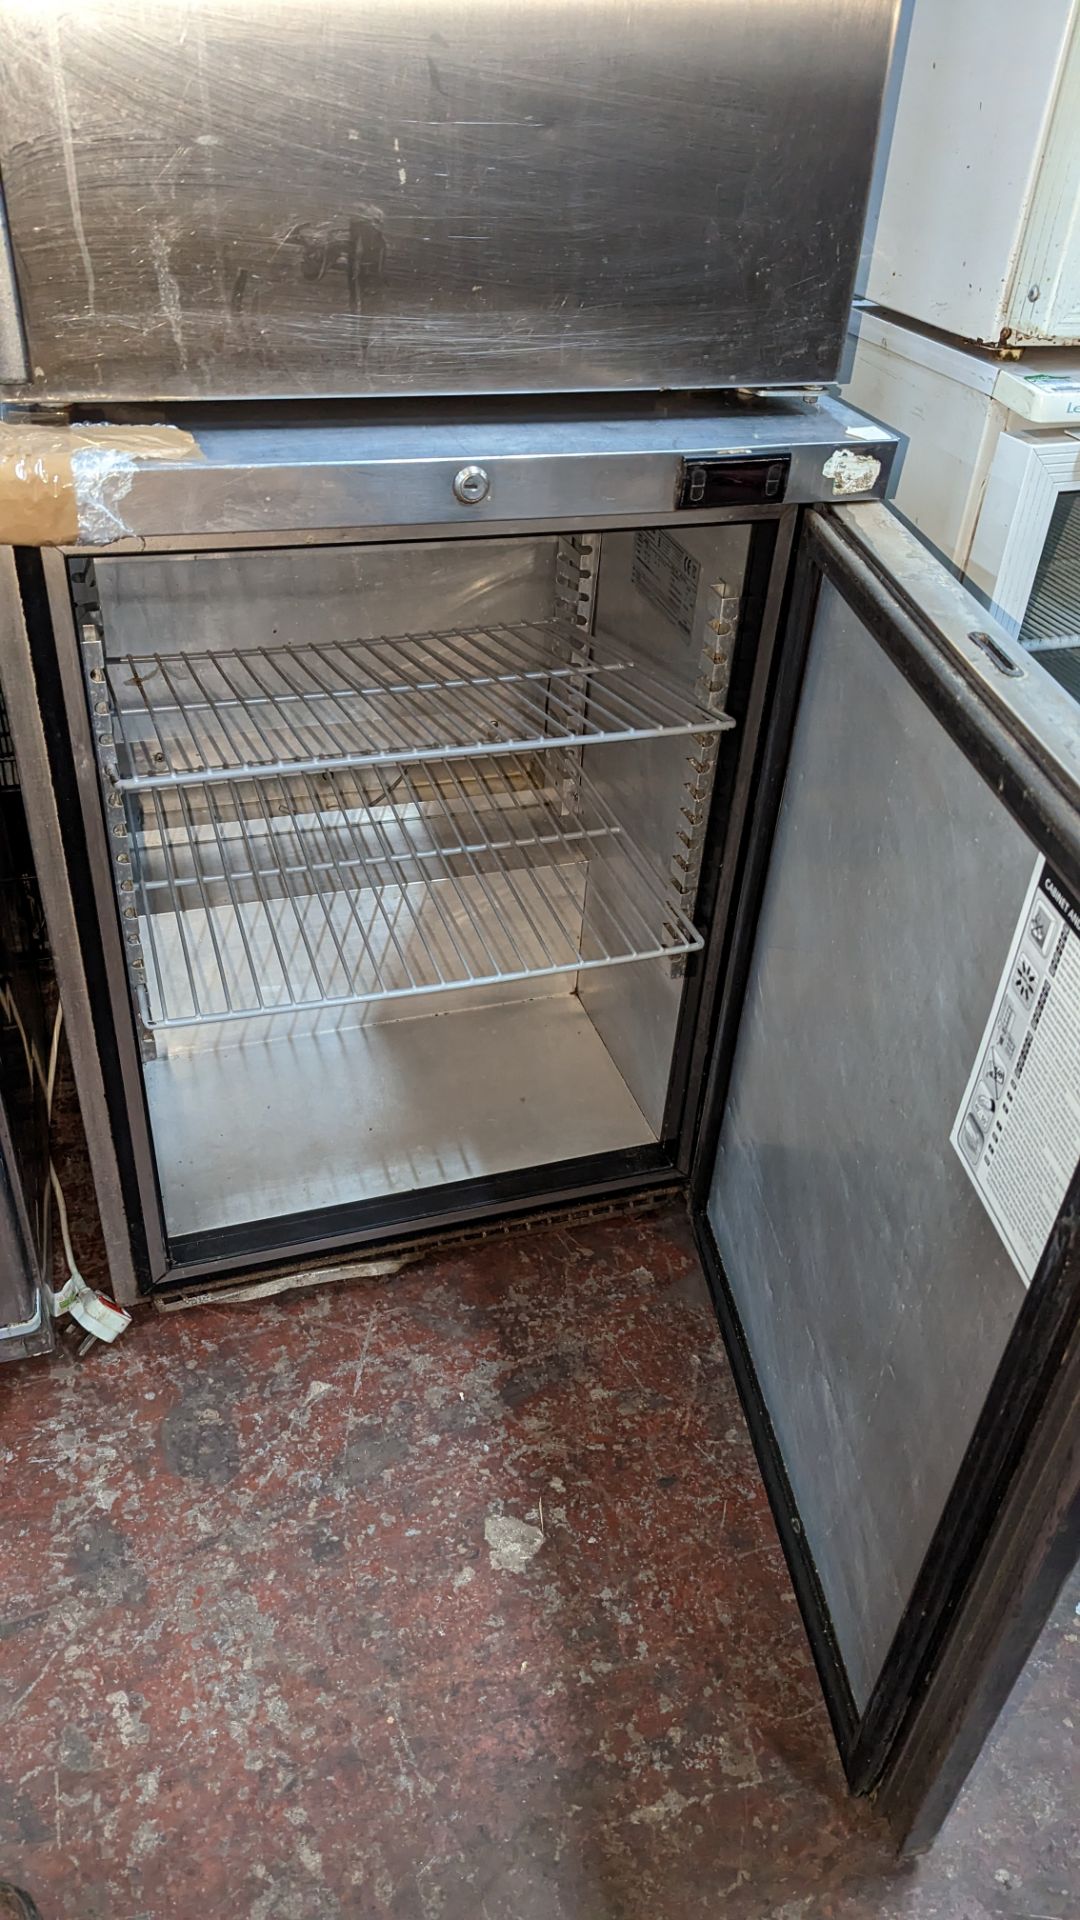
734, 480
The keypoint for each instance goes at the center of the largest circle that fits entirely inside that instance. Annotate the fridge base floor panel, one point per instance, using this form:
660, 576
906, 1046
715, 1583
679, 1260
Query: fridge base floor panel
334, 1118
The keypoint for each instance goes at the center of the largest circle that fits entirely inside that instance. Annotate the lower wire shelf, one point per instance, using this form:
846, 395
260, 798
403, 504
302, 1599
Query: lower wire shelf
308, 891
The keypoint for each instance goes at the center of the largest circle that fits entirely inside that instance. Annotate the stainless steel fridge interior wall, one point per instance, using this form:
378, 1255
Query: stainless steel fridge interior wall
663, 598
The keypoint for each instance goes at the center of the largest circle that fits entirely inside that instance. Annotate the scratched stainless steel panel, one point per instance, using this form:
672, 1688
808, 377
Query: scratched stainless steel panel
875, 1294
437, 196
13, 366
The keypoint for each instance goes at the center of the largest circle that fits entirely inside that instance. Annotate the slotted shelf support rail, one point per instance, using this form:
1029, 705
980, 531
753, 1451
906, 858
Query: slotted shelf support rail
193, 718
282, 894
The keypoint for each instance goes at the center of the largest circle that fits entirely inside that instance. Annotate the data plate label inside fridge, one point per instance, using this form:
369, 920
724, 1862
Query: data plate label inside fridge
668, 576
1018, 1128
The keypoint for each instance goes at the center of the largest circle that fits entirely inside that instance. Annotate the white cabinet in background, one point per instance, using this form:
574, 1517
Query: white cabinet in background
988, 473
978, 231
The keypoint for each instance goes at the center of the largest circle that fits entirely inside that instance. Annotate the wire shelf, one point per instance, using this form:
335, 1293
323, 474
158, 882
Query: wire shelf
285, 894
189, 718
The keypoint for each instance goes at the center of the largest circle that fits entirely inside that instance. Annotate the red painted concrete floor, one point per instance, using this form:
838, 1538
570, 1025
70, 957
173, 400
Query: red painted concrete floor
453, 1598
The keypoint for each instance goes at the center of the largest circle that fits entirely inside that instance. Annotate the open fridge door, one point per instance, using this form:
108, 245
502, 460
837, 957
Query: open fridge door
886, 1181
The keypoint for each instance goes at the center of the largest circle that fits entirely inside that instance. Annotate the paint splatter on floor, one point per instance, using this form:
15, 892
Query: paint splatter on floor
455, 1598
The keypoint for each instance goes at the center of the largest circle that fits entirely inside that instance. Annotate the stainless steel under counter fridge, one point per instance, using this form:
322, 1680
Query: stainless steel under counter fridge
405, 758
447, 823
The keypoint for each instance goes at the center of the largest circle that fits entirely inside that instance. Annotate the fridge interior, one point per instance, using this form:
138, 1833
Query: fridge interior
405, 843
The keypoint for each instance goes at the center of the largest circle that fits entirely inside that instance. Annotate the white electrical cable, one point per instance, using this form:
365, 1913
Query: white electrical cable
54, 1055
92, 1310
61, 1214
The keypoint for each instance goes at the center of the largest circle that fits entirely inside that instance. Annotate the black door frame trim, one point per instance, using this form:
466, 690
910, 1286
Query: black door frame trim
357, 1226
802, 1570
48, 683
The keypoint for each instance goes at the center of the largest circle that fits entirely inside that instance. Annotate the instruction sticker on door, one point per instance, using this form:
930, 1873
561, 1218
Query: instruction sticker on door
1018, 1128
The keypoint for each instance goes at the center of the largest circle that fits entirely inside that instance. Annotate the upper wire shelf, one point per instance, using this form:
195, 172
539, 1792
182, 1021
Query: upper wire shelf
188, 718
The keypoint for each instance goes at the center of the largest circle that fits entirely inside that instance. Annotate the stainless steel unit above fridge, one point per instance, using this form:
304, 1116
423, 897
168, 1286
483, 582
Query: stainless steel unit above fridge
298, 197
445, 820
